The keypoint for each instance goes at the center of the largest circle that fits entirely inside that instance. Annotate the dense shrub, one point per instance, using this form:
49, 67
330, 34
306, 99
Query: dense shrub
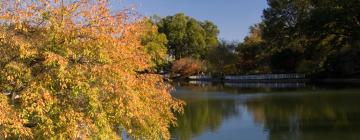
188, 66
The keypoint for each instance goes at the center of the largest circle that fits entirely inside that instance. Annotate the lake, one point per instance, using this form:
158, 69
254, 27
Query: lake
268, 111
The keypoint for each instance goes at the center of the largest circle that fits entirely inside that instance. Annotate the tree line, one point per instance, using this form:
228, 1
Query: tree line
316, 37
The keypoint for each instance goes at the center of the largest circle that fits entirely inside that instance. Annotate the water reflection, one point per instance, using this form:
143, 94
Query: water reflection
204, 115
308, 113
310, 116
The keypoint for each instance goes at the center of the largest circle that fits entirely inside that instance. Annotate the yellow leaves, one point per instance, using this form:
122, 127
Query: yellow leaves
9, 78
55, 60
25, 50
13, 76
76, 72
47, 96
11, 126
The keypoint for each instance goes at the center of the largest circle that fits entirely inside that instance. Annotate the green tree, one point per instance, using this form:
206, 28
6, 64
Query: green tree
302, 36
222, 59
335, 37
187, 36
174, 27
283, 33
211, 34
251, 54
155, 44
194, 45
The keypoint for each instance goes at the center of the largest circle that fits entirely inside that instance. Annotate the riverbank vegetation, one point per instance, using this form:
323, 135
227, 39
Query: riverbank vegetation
319, 38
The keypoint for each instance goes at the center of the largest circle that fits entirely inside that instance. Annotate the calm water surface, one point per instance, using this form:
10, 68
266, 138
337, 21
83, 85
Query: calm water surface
268, 112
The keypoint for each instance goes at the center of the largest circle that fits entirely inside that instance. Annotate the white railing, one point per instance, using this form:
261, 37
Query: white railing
199, 77
266, 77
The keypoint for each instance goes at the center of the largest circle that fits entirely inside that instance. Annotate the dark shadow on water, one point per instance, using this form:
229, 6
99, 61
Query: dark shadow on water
319, 116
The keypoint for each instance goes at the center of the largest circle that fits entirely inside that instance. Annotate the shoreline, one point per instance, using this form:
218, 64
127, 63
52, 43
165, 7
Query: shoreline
325, 80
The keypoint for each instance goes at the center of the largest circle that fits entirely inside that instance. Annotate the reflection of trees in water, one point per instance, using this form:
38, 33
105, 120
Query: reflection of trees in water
239, 88
320, 116
202, 87
203, 115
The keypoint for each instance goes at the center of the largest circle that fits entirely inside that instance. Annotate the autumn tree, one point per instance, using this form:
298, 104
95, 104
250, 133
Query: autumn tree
188, 66
70, 70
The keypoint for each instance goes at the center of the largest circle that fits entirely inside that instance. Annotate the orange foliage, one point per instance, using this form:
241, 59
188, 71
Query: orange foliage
188, 66
74, 66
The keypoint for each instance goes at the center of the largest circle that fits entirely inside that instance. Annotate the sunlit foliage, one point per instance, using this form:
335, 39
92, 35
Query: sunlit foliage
155, 44
71, 69
187, 36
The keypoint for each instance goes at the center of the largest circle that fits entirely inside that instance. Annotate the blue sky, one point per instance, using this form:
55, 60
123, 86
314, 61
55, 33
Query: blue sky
233, 17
